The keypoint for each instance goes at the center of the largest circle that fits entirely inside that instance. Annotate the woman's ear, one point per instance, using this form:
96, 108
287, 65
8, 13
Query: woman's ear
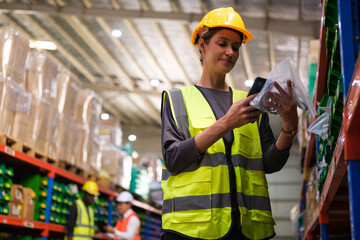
201, 44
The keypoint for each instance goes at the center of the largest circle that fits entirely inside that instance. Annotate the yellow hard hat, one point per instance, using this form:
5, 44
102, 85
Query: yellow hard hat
222, 17
91, 187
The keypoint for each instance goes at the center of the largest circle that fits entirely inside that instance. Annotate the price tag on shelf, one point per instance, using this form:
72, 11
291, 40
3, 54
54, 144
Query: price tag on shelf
28, 224
9, 151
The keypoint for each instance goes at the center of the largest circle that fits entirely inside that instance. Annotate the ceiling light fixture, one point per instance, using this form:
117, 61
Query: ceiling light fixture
132, 138
105, 116
249, 82
116, 33
47, 45
155, 82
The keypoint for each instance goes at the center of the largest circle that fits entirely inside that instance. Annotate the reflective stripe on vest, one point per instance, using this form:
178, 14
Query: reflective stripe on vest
84, 228
197, 199
122, 224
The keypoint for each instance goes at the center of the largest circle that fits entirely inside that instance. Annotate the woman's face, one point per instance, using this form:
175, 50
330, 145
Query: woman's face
222, 52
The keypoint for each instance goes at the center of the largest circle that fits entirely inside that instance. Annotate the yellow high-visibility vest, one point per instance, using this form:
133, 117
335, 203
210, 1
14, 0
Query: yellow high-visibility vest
85, 226
197, 200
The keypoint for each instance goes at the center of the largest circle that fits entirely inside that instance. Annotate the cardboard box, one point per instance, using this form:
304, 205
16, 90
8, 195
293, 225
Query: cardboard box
39, 122
63, 139
16, 209
110, 131
88, 108
17, 193
29, 204
53, 133
41, 73
68, 88
14, 51
21, 128
8, 96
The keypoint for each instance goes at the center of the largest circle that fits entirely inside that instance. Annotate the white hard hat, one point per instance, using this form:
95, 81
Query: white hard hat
125, 196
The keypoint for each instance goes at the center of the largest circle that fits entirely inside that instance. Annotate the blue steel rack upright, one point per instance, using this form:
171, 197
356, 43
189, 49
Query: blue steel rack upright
349, 48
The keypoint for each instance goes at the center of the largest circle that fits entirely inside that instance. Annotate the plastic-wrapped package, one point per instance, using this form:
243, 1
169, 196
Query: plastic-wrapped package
14, 50
68, 88
110, 131
93, 163
82, 145
41, 73
283, 72
21, 124
116, 164
320, 126
63, 139
88, 107
39, 120
53, 133
8, 94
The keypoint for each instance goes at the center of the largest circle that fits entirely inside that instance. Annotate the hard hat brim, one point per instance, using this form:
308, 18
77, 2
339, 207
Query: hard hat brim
247, 35
92, 192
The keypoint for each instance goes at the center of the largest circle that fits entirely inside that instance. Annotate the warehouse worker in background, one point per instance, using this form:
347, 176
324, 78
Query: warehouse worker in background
217, 148
81, 224
128, 227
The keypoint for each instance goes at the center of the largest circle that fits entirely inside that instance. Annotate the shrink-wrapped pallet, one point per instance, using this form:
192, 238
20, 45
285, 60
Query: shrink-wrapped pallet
93, 162
21, 125
8, 97
43, 129
53, 133
67, 90
41, 73
14, 50
116, 164
110, 131
88, 109
64, 136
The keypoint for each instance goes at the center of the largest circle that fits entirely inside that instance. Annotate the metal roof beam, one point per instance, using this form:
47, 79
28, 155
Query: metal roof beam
61, 49
247, 62
291, 27
165, 40
107, 87
141, 41
271, 50
100, 51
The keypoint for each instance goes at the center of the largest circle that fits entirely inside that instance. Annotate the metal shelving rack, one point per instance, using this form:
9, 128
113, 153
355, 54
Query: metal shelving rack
345, 164
14, 157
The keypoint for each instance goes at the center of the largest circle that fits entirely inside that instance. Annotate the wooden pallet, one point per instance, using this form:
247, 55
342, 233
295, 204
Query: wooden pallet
20, 147
14, 144
42, 156
73, 169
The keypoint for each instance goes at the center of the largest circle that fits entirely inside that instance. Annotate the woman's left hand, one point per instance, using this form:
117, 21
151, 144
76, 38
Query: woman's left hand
285, 106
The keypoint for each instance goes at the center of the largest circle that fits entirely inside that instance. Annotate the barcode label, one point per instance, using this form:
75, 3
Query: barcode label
9, 151
28, 224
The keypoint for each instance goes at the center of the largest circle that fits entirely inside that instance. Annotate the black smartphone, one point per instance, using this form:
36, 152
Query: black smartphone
257, 85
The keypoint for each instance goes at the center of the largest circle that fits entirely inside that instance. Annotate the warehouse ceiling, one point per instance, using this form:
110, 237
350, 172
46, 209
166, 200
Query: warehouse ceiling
155, 44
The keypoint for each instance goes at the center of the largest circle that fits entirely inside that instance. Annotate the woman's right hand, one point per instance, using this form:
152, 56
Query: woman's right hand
241, 113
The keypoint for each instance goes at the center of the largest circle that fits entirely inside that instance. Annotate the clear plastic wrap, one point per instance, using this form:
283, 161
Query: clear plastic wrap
282, 72
320, 126
21, 125
8, 95
14, 50
68, 88
53, 133
41, 73
88, 109
110, 131
39, 120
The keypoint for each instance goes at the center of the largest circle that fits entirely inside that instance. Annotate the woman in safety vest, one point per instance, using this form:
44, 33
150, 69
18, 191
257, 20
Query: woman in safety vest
217, 148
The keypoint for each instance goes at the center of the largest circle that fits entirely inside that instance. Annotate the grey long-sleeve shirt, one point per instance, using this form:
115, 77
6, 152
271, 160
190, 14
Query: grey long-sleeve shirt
179, 152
